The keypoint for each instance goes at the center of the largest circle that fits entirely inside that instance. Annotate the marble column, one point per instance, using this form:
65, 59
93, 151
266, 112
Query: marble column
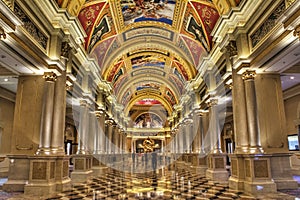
240, 114
47, 114
196, 129
99, 157
109, 142
57, 138
181, 138
251, 105
216, 158
214, 127
186, 138
82, 159
83, 127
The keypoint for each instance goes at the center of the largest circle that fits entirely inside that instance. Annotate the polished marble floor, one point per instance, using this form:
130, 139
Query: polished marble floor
162, 184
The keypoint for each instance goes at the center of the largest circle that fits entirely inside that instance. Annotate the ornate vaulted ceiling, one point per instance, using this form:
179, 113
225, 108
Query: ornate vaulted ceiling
148, 49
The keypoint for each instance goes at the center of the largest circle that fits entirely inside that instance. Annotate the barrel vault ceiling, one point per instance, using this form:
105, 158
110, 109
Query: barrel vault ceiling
148, 49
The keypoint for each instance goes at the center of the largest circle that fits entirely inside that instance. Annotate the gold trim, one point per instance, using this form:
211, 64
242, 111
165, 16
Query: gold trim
2, 33
50, 76
297, 31
249, 75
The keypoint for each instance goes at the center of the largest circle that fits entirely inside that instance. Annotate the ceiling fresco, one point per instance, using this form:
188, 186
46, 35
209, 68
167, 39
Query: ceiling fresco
148, 47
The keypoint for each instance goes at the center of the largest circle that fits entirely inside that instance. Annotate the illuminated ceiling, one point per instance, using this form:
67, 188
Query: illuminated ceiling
148, 49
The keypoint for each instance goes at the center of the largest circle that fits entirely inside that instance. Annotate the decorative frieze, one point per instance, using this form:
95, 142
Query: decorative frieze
268, 25
31, 28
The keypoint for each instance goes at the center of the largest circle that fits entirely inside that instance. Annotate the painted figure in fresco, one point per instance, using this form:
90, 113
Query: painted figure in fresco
99, 31
147, 10
196, 29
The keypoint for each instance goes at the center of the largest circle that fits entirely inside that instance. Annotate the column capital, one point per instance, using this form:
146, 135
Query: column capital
2, 33
212, 102
231, 48
297, 31
200, 112
84, 102
249, 75
99, 113
50, 76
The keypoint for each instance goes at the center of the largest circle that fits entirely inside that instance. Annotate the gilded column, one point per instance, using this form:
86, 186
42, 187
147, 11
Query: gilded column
240, 114
251, 105
83, 127
47, 114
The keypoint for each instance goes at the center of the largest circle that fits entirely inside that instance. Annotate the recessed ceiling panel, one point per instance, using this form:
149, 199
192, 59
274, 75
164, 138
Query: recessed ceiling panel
139, 11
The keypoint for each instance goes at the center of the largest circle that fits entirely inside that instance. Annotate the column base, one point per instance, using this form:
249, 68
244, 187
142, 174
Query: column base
18, 174
282, 172
98, 171
199, 169
14, 185
259, 188
80, 177
40, 189
63, 185
217, 175
217, 167
236, 184
82, 168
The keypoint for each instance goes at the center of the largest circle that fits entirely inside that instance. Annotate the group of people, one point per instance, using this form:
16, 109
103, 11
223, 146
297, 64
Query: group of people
145, 158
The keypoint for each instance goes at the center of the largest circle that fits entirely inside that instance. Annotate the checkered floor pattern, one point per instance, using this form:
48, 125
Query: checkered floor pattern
160, 185
163, 184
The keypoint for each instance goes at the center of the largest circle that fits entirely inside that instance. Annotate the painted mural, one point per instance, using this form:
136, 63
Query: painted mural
170, 97
152, 86
126, 98
99, 31
114, 70
197, 31
148, 102
147, 61
100, 50
148, 120
148, 10
196, 50
177, 83
208, 15
182, 70
88, 15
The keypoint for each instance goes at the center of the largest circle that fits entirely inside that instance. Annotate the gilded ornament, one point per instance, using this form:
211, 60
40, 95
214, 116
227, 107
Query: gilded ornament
231, 48
2, 33
288, 3
50, 76
297, 31
10, 3
212, 102
249, 74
